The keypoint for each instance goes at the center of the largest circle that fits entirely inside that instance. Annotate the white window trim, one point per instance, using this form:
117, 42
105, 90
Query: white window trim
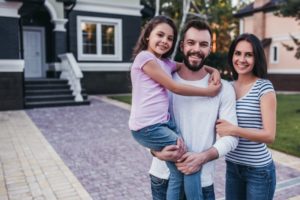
241, 26
12, 65
272, 54
102, 67
119, 7
118, 39
284, 70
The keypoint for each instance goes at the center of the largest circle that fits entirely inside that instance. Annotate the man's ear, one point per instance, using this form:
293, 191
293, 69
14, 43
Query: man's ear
181, 46
210, 48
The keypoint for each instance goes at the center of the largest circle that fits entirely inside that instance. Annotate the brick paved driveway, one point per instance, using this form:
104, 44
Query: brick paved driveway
95, 143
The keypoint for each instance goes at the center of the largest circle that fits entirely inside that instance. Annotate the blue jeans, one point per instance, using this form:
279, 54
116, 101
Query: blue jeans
156, 137
244, 182
159, 190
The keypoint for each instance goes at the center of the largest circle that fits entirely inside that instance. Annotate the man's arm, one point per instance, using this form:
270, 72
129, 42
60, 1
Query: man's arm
227, 111
192, 162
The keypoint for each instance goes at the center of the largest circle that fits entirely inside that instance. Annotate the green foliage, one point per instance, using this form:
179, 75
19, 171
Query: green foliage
223, 24
218, 13
291, 8
218, 60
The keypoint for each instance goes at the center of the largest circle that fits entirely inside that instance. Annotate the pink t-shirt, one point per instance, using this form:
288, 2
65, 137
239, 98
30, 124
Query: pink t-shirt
150, 101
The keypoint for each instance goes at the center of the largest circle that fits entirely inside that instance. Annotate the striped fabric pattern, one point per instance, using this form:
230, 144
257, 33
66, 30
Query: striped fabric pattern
249, 116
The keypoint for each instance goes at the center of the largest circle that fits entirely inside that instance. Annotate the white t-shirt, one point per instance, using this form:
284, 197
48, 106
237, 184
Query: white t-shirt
196, 118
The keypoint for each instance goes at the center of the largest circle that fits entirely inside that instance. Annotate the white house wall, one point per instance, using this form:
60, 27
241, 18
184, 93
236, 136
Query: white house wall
131, 7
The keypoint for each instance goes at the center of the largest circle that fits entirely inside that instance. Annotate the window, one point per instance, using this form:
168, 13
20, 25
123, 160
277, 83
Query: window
99, 38
274, 55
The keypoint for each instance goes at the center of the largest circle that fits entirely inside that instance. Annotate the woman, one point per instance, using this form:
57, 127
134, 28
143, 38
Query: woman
250, 172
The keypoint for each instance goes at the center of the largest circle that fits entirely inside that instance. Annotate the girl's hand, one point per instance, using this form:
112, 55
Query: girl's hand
190, 163
213, 89
225, 128
215, 76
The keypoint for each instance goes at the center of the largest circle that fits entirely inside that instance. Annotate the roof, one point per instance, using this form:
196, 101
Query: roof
250, 10
266, 42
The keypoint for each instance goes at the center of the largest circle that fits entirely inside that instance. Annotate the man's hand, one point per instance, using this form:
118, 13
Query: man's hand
225, 128
171, 152
192, 162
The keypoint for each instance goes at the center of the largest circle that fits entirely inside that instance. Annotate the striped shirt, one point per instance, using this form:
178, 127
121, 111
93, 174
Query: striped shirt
247, 152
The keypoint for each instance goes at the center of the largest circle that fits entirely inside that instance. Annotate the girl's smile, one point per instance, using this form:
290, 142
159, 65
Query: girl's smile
160, 39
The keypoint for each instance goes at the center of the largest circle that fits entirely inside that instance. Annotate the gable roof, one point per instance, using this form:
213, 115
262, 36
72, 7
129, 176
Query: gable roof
250, 10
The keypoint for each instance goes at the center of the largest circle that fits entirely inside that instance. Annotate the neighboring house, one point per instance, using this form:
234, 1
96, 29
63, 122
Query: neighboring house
34, 33
259, 18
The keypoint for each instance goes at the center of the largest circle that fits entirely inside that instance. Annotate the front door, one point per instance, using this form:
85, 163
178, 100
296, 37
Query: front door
33, 38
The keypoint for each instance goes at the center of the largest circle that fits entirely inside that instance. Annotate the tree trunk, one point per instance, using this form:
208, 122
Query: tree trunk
157, 7
186, 8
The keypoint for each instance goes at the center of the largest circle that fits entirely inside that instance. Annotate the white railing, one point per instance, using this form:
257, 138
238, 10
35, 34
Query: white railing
71, 71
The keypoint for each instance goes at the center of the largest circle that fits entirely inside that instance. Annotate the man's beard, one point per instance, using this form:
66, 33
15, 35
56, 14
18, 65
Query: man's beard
189, 65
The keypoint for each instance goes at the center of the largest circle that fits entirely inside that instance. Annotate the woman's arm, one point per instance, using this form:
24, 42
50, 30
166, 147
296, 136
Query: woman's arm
155, 72
267, 134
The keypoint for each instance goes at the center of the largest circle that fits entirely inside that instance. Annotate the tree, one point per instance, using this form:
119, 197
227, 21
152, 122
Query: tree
218, 13
291, 8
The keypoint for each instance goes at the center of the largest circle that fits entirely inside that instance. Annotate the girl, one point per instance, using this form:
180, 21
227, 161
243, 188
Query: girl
250, 170
149, 121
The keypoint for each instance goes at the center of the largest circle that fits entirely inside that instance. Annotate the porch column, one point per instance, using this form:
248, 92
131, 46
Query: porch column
60, 38
59, 46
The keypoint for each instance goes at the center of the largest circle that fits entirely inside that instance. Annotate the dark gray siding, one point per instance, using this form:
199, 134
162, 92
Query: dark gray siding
11, 90
106, 82
9, 38
11, 83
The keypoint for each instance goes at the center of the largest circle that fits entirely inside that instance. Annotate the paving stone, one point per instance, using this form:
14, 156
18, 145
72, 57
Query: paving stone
94, 144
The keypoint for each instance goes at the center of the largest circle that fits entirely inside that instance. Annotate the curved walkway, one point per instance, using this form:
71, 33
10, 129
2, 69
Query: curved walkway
87, 152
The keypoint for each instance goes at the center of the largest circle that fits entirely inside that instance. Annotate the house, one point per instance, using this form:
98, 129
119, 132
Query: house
91, 39
274, 31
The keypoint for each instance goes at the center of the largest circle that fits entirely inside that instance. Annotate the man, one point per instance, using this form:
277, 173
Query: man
196, 117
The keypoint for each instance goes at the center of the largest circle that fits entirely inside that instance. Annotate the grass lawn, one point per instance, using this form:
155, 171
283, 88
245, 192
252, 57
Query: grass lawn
122, 98
288, 123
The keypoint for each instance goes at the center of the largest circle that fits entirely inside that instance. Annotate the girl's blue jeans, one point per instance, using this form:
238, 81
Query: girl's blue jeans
158, 136
251, 183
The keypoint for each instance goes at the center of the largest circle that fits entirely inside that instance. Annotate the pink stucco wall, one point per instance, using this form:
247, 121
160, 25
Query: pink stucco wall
277, 28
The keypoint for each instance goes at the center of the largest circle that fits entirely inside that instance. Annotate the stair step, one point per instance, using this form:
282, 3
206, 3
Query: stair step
56, 97
41, 92
48, 92
55, 103
46, 81
48, 86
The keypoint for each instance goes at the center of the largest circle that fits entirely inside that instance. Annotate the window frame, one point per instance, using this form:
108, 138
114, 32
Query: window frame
272, 60
99, 21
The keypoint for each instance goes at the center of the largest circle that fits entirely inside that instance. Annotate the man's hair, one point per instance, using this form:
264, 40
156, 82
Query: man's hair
260, 62
197, 24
